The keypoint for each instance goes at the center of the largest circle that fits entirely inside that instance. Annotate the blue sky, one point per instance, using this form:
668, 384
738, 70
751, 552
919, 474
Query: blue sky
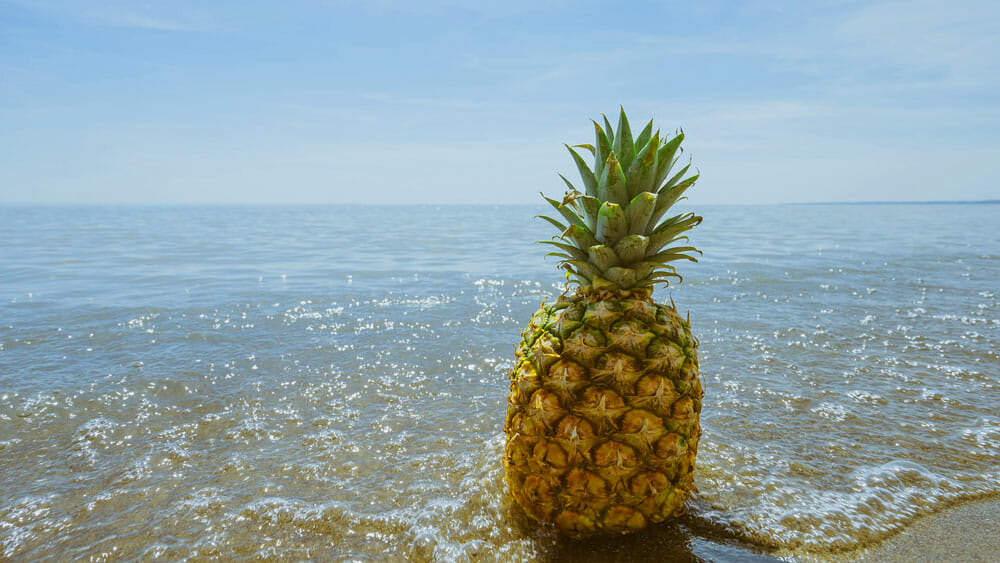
381, 101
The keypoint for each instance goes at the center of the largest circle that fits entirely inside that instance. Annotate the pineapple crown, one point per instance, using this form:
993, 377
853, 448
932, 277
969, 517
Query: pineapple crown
615, 239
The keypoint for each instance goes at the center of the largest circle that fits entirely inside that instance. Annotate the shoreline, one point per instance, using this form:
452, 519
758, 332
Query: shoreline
968, 531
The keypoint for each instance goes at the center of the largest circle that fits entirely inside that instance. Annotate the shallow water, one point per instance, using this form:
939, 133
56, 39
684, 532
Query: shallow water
330, 382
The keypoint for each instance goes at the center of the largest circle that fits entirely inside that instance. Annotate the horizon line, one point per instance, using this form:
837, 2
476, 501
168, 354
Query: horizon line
494, 204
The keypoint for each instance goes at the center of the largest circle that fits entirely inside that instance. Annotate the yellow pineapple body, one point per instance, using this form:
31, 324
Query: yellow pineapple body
602, 416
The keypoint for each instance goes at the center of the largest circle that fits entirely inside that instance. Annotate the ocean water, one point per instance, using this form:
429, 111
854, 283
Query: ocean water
329, 382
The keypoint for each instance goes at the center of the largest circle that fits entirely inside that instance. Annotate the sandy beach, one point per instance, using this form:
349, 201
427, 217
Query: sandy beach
966, 532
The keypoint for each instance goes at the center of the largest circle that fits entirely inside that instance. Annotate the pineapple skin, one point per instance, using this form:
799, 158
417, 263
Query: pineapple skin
602, 422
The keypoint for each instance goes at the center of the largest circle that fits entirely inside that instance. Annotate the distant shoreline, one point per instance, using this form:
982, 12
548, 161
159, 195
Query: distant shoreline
935, 202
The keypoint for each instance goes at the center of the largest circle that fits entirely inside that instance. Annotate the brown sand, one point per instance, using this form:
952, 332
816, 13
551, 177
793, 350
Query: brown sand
966, 532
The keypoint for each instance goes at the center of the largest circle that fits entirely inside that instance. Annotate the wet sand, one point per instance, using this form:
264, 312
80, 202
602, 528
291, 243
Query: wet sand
967, 532
685, 540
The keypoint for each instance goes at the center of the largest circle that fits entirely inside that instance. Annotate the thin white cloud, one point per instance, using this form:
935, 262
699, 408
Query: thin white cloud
163, 16
932, 44
849, 49
450, 8
424, 101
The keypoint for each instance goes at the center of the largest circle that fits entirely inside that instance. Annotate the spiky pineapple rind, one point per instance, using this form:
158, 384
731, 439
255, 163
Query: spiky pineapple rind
603, 414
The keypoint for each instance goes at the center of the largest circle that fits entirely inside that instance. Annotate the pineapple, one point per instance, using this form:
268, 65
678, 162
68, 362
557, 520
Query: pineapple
602, 417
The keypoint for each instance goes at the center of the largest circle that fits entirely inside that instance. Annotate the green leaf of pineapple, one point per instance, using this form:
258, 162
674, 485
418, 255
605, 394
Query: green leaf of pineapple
584, 269
623, 146
583, 238
667, 231
676, 179
589, 181
609, 129
668, 197
603, 148
555, 223
622, 277
646, 269
566, 212
638, 212
667, 256
612, 185
658, 241
603, 257
642, 171
631, 248
611, 223
587, 205
665, 158
574, 252
562, 256
644, 136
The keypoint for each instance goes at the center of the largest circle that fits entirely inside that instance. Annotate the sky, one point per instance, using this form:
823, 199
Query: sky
383, 101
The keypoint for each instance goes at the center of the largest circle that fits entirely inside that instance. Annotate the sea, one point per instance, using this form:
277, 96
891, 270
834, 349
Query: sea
328, 383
